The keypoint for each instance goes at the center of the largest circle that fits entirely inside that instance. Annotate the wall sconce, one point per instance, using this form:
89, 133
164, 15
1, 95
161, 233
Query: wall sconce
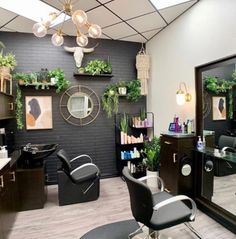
181, 95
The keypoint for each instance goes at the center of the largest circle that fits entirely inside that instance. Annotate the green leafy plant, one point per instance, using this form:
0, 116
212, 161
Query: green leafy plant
151, 153
110, 100
124, 122
25, 78
142, 114
134, 90
216, 85
19, 112
61, 82
96, 67
8, 60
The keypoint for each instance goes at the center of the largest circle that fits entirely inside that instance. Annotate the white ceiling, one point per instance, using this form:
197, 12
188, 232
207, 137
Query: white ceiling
128, 20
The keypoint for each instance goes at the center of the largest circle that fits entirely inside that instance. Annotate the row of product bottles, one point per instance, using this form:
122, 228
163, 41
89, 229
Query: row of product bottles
138, 123
201, 143
130, 154
185, 127
130, 139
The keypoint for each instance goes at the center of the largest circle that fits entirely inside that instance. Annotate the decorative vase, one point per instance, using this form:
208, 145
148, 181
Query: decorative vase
152, 182
122, 90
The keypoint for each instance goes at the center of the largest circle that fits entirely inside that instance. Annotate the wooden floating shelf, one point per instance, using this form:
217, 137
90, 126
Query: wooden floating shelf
87, 74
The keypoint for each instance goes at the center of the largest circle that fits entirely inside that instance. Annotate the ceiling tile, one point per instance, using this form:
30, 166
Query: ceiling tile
102, 17
82, 4
147, 22
4, 29
6, 16
21, 24
171, 13
119, 30
104, 1
130, 9
150, 34
134, 38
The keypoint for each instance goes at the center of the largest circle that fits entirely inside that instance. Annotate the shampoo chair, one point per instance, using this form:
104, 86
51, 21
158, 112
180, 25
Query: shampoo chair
79, 184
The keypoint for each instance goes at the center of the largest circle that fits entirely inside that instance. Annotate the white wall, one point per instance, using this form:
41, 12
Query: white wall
204, 33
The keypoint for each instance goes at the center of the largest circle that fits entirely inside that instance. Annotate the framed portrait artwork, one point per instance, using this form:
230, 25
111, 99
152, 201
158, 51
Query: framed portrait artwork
219, 108
38, 112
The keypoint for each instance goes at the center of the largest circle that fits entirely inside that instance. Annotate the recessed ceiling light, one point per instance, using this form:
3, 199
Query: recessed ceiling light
34, 9
160, 4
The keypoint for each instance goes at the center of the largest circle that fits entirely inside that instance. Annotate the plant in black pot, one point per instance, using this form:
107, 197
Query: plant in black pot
97, 67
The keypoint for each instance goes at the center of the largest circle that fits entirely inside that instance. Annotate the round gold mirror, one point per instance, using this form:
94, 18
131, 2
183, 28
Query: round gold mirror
79, 105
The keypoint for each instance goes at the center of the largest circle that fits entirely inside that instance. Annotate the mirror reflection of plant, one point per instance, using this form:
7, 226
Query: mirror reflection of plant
110, 100
216, 85
19, 112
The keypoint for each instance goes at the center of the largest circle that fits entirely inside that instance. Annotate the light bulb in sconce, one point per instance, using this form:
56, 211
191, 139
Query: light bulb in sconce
182, 96
81, 39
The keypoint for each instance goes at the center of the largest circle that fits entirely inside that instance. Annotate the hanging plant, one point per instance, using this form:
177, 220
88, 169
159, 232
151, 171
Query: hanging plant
216, 85
19, 112
110, 100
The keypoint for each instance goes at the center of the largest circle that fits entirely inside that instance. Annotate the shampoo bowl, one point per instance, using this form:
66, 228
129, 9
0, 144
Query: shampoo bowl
33, 154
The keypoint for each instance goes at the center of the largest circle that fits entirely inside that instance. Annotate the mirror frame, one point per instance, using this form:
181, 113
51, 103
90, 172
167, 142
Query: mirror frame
70, 118
221, 215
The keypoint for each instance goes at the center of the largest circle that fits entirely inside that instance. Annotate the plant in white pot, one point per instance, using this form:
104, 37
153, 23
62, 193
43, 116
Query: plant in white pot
151, 154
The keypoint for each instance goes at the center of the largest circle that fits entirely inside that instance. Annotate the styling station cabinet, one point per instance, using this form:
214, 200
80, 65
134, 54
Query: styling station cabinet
176, 161
8, 196
7, 106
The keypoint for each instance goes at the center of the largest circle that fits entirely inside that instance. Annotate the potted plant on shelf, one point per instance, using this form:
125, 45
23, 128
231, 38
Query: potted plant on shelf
151, 155
7, 63
97, 67
134, 90
124, 121
110, 100
122, 88
60, 82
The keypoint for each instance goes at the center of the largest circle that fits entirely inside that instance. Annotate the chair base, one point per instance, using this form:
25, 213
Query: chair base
151, 234
69, 192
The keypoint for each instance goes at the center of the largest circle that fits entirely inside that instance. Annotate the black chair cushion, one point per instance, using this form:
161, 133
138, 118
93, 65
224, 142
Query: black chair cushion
63, 156
169, 215
86, 172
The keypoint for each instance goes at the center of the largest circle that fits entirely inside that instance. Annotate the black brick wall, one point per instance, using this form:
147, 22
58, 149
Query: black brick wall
96, 139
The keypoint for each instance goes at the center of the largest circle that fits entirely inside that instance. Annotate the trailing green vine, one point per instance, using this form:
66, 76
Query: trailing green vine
216, 85
110, 97
19, 105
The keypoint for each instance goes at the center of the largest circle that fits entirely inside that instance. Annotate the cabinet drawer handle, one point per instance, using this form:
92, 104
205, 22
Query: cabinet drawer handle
167, 142
11, 106
13, 179
174, 157
2, 181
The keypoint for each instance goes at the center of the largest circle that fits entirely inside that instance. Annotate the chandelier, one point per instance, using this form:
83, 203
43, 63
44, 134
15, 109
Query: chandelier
79, 18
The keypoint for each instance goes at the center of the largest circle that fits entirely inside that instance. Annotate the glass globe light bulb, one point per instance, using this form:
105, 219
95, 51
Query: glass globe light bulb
39, 30
95, 31
79, 18
49, 19
180, 97
57, 39
82, 40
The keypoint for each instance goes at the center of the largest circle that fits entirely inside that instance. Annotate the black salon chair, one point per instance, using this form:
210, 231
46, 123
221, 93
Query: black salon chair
158, 210
78, 184
227, 143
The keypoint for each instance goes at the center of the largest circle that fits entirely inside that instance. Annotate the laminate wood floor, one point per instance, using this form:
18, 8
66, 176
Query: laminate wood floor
73, 221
